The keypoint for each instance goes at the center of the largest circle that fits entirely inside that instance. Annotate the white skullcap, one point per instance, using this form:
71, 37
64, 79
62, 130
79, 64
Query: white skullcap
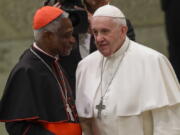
109, 11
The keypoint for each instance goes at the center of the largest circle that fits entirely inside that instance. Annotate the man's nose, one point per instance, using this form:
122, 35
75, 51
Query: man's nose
99, 37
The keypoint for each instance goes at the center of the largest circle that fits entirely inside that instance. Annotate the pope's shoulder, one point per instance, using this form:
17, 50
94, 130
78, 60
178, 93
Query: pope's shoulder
143, 52
143, 49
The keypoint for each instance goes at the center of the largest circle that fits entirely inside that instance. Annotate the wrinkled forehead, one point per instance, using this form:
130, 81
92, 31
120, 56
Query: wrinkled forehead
102, 21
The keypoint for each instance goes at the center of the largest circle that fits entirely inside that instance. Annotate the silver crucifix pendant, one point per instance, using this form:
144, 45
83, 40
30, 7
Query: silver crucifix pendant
100, 107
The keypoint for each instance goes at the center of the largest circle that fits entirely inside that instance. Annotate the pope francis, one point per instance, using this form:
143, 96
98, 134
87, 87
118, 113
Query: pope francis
125, 88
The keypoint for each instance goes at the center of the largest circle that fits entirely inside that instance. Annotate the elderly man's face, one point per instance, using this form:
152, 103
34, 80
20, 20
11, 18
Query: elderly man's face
63, 40
109, 35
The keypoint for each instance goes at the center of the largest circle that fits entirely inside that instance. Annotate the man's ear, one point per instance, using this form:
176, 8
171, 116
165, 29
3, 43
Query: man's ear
124, 30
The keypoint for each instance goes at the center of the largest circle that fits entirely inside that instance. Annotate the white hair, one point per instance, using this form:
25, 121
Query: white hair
51, 27
120, 21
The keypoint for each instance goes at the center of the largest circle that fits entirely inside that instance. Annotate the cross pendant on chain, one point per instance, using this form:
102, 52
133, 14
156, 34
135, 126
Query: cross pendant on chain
100, 107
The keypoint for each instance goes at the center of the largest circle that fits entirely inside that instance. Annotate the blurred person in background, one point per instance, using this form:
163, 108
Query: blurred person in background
37, 99
172, 21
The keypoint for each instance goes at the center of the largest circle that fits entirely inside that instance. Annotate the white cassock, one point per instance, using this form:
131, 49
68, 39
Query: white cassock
142, 99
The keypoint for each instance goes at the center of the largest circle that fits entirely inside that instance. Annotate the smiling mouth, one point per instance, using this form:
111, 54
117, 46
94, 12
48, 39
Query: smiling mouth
102, 45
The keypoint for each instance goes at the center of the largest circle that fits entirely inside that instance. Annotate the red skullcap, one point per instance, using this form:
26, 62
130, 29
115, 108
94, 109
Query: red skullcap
45, 15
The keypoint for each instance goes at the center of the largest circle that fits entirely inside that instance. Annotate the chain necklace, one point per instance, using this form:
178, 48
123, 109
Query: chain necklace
64, 93
100, 107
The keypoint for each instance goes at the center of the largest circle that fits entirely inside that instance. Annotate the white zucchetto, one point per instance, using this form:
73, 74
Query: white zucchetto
109, 11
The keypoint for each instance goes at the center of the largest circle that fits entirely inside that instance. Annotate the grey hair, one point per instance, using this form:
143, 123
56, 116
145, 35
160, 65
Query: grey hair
51, 27
120, 21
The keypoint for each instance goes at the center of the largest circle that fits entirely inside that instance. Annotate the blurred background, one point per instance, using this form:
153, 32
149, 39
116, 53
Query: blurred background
16, 29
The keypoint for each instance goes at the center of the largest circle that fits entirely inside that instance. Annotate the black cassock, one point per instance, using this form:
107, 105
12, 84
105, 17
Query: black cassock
32, 95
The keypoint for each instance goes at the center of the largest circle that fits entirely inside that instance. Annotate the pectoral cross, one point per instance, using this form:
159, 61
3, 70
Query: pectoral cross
68, 109
100, 107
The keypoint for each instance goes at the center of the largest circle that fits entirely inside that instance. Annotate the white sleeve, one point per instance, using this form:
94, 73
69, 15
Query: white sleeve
166, 120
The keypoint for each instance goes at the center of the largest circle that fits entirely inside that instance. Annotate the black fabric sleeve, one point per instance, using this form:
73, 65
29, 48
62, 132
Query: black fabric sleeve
164, 4
26, 128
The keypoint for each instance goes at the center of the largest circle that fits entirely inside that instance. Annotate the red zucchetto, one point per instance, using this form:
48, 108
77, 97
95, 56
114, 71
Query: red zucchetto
45, 15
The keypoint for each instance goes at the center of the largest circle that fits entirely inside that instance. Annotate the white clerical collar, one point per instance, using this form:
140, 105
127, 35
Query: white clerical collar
35, 46
121, 50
